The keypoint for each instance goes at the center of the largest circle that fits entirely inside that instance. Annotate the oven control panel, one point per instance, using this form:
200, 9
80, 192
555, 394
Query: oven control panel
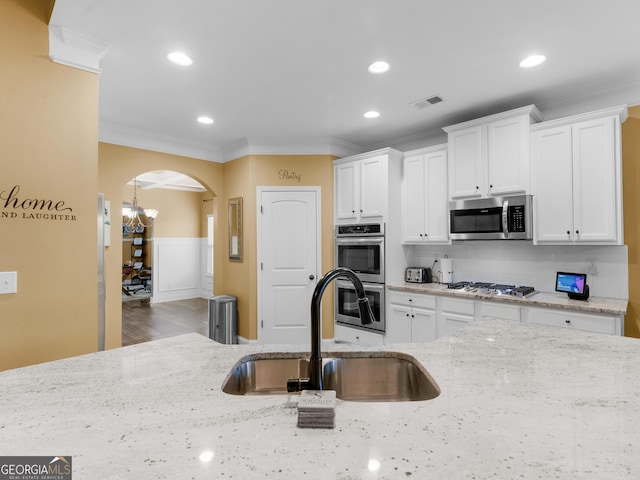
360, 230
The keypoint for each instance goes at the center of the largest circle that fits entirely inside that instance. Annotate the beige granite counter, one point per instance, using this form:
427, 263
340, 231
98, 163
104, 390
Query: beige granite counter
611, 306
517, 401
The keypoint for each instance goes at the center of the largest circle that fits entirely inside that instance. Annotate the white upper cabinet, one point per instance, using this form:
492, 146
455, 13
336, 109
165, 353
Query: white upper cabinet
347, 187
466, 168
362, 186
424, 196
577, 179
490, 156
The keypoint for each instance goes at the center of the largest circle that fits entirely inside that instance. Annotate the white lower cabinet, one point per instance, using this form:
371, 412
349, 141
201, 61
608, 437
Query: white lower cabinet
410, 318
503, 311
418, 317
356, 335
453, 314
597, 323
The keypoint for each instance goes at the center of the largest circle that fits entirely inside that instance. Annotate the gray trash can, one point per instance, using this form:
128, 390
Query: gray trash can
223, 319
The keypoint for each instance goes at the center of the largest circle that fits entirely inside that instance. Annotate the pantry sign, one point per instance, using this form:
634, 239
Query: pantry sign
16, 205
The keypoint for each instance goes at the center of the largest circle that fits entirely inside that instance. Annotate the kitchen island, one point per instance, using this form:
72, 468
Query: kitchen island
517, 401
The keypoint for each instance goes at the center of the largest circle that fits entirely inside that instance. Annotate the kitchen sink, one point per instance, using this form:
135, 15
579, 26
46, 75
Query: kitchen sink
355, 376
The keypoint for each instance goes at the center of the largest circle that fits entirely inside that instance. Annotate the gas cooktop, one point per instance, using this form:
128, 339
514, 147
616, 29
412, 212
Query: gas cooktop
492, 288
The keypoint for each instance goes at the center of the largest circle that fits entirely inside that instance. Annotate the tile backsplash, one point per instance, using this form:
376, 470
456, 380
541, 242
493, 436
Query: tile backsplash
521, 263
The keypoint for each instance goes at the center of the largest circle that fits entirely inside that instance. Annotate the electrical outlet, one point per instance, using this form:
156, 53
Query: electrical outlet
8, 282
592, 266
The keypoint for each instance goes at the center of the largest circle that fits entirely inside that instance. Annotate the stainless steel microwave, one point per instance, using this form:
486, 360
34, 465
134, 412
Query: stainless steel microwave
497, 218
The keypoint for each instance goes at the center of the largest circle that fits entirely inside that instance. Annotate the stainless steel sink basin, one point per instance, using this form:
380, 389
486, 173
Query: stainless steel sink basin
264, 375
379, 379
355, 376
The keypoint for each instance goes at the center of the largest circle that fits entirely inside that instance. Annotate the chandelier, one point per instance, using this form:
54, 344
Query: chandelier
134, 222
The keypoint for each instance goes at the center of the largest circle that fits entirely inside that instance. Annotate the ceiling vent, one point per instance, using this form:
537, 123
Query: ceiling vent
425, 102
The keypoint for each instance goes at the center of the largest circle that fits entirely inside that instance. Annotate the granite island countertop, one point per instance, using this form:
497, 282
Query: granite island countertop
517, 401
611, 306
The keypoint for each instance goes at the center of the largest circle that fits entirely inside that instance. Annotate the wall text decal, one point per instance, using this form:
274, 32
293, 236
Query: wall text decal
287, 175
15, 206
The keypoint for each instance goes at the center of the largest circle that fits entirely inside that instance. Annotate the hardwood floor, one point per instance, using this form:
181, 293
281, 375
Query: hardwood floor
143, 321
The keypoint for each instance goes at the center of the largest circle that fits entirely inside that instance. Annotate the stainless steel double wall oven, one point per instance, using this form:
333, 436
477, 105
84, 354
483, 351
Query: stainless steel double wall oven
360, 248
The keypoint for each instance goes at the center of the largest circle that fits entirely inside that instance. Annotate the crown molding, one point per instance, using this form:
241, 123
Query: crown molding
289, 146
76, 49
621, 94
415, 141
137, 138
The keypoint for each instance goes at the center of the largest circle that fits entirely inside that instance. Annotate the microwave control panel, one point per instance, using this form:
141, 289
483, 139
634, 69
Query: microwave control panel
515, 217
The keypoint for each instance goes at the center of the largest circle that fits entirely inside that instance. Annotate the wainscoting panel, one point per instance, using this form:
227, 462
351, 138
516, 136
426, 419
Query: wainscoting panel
177, 271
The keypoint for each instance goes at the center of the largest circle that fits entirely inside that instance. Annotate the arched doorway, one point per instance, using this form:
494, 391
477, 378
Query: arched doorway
167, 261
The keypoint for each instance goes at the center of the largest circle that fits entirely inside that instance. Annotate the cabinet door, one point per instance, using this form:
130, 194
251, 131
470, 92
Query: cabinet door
398, 328
423, 325
594, 181
347, 190
450, 322
508, 156
553, 185
437, 203
372, 187
357, 336
414, 190
579, 321
466, 163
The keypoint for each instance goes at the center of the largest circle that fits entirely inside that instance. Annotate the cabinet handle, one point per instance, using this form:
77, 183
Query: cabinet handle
577, 232
413, 316
407, 314
490, 186
568, 232
420, 234
477, 187
411, 299
567, 322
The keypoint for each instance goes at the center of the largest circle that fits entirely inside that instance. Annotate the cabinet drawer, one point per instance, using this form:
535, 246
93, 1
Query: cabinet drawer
356, 335
500, 310
580, 321
457, 305
419, 300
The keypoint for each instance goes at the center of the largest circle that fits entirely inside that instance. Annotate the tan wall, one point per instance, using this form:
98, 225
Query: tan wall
49, 134
242, 177
116, 166
631, 202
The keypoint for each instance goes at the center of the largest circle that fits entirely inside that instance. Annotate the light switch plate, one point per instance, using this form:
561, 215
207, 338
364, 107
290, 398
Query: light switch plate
8, 282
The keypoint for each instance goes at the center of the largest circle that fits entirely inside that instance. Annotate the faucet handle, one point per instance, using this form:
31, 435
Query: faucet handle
298, 384
366, 314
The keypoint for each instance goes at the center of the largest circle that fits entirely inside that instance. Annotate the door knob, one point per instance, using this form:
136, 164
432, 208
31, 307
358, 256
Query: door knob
311, 277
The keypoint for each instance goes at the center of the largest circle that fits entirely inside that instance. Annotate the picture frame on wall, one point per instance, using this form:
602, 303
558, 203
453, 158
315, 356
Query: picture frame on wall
235, 229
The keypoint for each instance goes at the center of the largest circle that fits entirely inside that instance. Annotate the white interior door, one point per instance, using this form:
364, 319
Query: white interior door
288, 262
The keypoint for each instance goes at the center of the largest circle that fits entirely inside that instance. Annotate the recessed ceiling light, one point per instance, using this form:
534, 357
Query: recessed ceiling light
371, 114
206, 120
378, 67
180, 58
532, 61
